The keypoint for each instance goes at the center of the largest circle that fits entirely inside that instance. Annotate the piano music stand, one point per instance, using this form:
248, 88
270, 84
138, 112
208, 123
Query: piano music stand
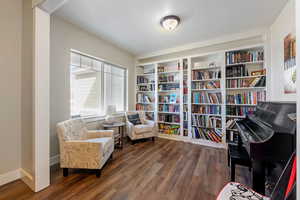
237, 156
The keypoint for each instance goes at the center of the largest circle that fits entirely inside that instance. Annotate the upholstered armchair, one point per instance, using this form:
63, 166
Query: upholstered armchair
81, 148
138, 127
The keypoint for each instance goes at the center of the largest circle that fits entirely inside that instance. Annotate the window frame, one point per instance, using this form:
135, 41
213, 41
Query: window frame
102, 88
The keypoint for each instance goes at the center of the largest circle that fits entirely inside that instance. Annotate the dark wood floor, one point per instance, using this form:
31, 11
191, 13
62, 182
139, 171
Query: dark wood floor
164, 170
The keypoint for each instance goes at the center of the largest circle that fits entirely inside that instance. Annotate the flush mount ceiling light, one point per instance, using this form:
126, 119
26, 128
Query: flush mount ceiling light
170, 22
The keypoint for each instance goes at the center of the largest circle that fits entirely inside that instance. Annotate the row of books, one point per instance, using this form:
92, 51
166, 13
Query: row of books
214, 135
170, 98
205, 74
239, 111
206, 85
169, 129
205, 97
230, 124
168, 78
144, 98
237, 71
168, 108
212, 109
142, 79
169, 86
169, 118
168, 68
248, 82
185, 98
246, 97
244, 56
144, 107
145, 87
206, 121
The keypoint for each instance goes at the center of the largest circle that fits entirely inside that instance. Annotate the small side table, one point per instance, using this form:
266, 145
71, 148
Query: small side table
118, 136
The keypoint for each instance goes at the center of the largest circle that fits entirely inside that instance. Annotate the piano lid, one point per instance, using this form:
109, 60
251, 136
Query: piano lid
275, 115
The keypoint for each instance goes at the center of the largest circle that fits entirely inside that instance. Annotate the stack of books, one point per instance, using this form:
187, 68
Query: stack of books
205, 97
214, 135
206, 85
206, 121
244, 56
169, 129
211, 109
144, 98
149, 88
248, 82
169, 118
169, 86
168, 108
236, 71
143, 107
204, 75
246, 97
170, 98
239, 111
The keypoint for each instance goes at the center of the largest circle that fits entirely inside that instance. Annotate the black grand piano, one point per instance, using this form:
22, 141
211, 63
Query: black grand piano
269, 137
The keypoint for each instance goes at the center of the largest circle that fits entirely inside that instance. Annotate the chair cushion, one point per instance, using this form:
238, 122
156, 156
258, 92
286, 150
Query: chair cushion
134, 119
237, 191
143, 128
106, 141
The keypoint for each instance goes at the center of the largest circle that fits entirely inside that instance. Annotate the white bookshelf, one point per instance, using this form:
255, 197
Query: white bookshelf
250, 64
186, 133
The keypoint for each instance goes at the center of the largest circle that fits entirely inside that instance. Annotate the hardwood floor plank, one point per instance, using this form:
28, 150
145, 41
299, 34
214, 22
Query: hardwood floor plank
164, 170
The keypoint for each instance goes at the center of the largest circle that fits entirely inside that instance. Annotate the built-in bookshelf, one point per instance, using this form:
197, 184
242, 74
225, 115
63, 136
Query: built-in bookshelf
199, 98
245, 86
206, 98
145, 90
169, 99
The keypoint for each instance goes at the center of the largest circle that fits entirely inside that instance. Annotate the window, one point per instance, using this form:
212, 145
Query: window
95, 85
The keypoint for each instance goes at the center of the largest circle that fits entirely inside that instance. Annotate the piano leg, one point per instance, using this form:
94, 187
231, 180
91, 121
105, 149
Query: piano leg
258, 177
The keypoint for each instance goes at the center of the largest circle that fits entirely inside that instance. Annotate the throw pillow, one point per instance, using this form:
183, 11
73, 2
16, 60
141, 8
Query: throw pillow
134, 119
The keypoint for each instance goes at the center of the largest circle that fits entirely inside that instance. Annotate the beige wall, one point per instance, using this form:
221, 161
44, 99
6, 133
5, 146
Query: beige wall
10, 84
64, 37
283, 25
27, 88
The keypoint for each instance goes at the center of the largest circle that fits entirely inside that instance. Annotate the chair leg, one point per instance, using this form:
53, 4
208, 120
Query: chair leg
111, 157
232, 171
98, 173
132, 142
153, 139
65, 172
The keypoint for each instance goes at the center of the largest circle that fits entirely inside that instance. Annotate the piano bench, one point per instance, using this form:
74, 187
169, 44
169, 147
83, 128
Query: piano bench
237, 156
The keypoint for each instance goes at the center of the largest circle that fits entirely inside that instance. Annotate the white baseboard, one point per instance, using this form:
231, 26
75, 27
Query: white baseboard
10, 176
54, 160
27, 178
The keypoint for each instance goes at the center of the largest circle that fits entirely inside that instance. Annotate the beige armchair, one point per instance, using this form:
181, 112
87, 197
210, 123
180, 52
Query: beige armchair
81, 148
147, 128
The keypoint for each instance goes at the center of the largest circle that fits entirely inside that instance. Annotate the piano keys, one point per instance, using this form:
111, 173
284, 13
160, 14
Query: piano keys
269, 137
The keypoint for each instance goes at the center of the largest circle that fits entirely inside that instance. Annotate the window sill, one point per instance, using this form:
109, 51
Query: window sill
90, 119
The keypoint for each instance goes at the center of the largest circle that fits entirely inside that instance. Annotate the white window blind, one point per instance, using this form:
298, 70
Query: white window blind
95, 85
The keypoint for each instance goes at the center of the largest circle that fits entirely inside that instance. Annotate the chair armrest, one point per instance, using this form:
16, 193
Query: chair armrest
149, 122
99, 134
81, 154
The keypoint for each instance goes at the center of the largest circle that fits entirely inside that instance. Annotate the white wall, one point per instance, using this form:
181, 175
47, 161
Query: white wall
64, 37
10, 84
283, 25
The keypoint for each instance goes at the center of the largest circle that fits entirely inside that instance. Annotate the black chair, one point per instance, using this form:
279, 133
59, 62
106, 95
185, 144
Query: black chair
285, 188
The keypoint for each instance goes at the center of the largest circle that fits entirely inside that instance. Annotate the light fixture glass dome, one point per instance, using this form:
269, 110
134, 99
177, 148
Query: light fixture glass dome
170, 22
